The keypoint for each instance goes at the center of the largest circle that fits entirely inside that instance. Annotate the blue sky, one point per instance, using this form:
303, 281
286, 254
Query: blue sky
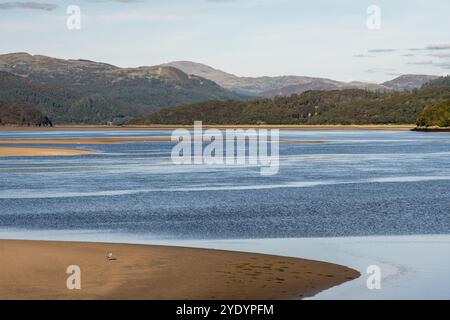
246, 37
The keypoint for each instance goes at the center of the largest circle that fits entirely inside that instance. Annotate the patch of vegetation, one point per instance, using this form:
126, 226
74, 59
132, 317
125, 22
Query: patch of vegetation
435, 115
439, 82
21, 114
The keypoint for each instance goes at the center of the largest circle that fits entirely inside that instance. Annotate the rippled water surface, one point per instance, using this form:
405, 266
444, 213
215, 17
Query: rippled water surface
356, 183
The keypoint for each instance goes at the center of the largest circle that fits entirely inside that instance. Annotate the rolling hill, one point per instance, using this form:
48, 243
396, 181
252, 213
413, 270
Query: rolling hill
83, 91
258, 86
409, 82
286, 85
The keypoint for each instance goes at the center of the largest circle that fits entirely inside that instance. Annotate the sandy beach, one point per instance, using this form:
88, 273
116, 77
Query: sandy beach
37, 270
34, 152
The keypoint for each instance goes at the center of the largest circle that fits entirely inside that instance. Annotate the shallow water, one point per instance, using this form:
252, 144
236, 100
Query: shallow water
358, 183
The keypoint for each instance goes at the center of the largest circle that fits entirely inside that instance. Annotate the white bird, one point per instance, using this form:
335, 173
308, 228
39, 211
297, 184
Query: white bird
109, 256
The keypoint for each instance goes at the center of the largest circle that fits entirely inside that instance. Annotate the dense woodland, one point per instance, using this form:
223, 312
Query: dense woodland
350, 106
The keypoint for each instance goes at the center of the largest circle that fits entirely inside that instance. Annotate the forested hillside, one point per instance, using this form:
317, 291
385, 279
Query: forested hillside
82, 91
351, 106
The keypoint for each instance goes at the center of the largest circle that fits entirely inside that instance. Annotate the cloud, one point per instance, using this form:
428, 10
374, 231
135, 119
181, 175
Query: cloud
28, 5
439, 47
443, 65
421, 63
432, 47
393, 74
122, 1
381, 50
440, 55
376, 70
362, 55
408, 55
135, 16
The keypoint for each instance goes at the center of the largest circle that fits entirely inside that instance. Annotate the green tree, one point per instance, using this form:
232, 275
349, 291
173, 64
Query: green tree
436, 114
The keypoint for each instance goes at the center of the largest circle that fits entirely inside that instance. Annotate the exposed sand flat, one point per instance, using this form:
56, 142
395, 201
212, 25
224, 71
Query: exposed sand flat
395, 127
30, 152
37, 270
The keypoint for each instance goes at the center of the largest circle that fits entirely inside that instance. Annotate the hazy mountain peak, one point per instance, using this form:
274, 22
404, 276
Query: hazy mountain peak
409, 82
266, 86
226, 80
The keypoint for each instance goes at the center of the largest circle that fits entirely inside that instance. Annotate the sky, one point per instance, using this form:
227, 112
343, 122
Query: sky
347, 40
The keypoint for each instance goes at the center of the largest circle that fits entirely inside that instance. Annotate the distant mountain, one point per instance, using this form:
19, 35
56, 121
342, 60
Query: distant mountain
322, 84
226, 80
409, 82
87, 92
257, 86
369, 86
102, 92
269, 86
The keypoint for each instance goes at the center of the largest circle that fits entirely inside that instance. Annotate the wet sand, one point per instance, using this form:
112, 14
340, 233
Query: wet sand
37, 270
34, 152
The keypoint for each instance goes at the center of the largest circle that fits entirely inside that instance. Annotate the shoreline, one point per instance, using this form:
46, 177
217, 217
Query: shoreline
432, 129
375, 127
36, 270
409, 262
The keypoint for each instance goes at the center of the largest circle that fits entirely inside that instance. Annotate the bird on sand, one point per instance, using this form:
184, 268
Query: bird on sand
109, 256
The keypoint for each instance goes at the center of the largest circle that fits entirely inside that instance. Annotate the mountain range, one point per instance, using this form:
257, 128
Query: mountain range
87, 92
287, 85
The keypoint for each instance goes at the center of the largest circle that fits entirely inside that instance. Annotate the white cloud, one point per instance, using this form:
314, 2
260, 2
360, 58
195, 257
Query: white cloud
28, 5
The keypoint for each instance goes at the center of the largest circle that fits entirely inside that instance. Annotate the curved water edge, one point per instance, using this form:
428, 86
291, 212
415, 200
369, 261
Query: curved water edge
363, 198
412, 267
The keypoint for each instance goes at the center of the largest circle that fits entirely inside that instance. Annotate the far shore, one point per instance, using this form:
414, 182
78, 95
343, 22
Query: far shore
37, 270
432, 129
394, 127
36, 152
